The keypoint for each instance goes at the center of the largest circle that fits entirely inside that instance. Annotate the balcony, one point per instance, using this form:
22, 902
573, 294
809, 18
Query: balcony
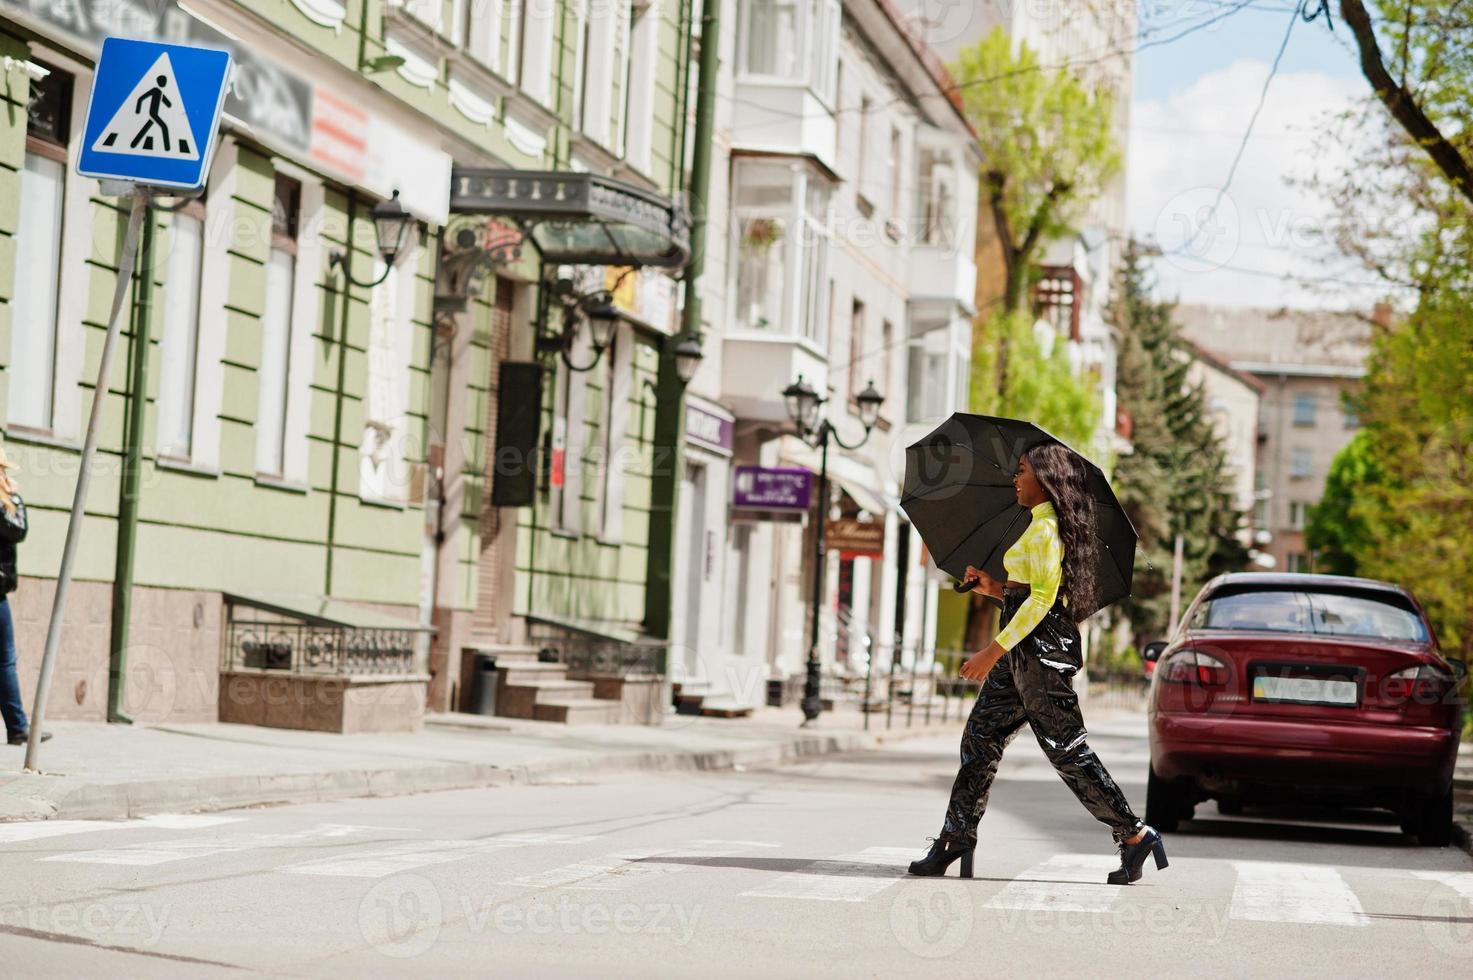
786, 68
783, 117
943, 272
757, 367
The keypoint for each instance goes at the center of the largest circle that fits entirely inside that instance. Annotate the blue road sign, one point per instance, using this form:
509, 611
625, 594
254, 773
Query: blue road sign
154, 112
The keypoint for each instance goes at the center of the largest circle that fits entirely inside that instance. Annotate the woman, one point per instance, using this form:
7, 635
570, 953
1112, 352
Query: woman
1028, 668
12, 533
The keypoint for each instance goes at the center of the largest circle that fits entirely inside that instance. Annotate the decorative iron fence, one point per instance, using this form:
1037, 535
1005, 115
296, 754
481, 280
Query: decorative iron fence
262, 637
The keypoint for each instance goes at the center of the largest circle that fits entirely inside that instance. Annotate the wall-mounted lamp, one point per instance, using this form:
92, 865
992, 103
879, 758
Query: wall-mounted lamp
390, 227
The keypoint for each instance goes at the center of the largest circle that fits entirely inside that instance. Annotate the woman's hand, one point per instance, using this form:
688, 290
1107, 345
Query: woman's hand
986, 584
980, 664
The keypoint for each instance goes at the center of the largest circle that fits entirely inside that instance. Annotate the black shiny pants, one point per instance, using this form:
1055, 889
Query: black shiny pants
1033, 682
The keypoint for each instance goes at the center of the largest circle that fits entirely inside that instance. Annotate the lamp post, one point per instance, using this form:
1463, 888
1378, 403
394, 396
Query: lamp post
803, 404
390, 227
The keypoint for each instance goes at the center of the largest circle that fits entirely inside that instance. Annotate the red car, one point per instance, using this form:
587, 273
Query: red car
1315, 688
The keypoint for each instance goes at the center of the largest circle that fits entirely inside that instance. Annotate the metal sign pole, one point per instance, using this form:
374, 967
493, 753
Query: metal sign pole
141, 200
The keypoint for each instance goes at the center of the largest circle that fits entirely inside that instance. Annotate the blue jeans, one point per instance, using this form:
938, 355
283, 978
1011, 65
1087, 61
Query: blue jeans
10, 706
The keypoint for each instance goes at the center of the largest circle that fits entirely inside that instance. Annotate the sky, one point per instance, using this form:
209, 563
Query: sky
1194, 97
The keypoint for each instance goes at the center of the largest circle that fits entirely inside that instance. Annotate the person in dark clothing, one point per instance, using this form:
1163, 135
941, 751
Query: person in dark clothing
13, 529
1027, 671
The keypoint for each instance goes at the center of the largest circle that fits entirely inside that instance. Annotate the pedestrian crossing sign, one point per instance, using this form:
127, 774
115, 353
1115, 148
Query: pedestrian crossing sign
154, 113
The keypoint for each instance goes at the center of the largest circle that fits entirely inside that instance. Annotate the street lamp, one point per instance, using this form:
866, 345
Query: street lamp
390, 228
688, 357
802, 403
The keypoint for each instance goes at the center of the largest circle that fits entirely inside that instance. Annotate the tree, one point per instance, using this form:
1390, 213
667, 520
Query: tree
1337, 531
1175, 480
1049, 151
1432, 46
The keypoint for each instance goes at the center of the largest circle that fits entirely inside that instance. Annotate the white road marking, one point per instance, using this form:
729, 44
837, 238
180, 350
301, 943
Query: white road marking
625, 868
1459, 881
14, 833
1270, 891
409, 854
1063, 883
163, 852
845, 878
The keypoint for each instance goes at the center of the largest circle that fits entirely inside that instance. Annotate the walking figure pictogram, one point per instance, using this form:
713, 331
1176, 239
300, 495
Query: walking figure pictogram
154, 97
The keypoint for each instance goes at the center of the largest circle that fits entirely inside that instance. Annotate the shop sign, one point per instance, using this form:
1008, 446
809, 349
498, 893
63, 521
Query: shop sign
773, 489
708, 430
854, 538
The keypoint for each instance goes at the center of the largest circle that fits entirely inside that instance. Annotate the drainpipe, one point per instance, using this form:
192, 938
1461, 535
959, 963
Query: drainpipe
670, 424
337, 413
117, 657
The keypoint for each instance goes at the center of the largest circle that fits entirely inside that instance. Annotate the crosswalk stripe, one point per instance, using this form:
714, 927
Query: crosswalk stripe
845, 878
163, 852
625, 868
1063, 883
1459, 881
410, 854
1271, 891
15, 833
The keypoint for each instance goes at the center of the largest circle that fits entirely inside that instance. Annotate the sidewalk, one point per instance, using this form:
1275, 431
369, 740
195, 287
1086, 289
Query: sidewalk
97, 771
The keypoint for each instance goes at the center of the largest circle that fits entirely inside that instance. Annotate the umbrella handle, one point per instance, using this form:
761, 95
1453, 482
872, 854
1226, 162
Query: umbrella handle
964, 586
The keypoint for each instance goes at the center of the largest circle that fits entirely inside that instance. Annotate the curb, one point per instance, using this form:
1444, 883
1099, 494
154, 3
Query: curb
39, 797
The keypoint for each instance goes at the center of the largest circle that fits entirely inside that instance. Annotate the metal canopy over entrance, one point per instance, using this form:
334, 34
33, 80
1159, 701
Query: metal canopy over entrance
579, 218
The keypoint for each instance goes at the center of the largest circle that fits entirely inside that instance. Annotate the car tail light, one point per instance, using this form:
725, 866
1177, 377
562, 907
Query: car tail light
1194, 667
1425, 684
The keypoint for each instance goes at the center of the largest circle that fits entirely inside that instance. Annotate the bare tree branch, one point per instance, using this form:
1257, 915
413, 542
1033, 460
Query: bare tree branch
1401, 103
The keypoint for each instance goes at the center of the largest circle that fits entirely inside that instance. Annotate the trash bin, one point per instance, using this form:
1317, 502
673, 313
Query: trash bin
483, 686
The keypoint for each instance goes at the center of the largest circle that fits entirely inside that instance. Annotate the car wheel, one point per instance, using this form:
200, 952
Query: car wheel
1230, 806
1164, 803
1435, 821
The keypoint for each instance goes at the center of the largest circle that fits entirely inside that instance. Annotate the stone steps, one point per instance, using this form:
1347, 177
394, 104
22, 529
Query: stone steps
570, 711
533, 689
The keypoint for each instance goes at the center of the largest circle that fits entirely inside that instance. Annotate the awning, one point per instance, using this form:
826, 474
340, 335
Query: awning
578, 218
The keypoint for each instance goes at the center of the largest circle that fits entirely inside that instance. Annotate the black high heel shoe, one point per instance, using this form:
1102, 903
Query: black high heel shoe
942, 853
1133, 857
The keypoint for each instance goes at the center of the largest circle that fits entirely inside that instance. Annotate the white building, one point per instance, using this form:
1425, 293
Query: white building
840, 249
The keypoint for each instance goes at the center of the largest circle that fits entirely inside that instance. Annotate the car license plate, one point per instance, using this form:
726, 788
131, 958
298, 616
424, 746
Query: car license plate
1305, 690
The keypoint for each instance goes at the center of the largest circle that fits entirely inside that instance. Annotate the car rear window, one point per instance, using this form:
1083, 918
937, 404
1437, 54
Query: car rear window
1321, 613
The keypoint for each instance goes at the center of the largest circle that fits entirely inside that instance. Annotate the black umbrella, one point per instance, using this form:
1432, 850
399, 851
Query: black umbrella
959, 496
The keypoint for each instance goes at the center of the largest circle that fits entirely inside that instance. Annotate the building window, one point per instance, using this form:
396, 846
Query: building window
929, 356
1352, 419
568, 439
493, 33
794, 40
536, 67
862, 192
184, 272
603, 39
1304, 408
274, 373
780, 222
856, 347
642, 66
1298, 561
1260, 514
36, 300
1298, 514
892, 164
884, 372
935, 197
1301, 463
618, 387
1057, 299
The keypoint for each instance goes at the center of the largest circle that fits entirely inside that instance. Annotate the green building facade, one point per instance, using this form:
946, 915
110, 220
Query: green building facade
309, 440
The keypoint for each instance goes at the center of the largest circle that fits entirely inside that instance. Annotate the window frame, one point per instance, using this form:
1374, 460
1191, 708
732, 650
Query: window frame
167, 447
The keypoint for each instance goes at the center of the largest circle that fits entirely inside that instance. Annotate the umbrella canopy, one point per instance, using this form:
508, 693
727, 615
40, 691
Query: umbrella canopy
959, 496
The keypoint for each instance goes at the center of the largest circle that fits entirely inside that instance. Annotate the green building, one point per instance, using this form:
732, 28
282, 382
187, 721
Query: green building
319, 449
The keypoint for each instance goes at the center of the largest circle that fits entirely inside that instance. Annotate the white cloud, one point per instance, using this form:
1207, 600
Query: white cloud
1181, 150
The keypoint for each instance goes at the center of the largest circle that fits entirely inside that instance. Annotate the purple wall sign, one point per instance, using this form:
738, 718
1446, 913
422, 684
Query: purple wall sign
776, 489
707, 430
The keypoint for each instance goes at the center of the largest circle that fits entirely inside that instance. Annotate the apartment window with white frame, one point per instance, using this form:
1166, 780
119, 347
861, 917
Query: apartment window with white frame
493, 34
538, 18
1301, 462
568, 438
935, 197
274, 373
862, 190
893, 157
641, 67
383, 466
792, 40
599, 102
179, 349
35, 305
1298, 515
780, 223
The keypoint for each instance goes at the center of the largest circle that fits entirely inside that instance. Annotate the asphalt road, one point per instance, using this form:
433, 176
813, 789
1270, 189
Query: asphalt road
794, 871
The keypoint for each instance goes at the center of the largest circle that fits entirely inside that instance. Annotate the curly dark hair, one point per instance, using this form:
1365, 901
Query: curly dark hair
1065, 478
